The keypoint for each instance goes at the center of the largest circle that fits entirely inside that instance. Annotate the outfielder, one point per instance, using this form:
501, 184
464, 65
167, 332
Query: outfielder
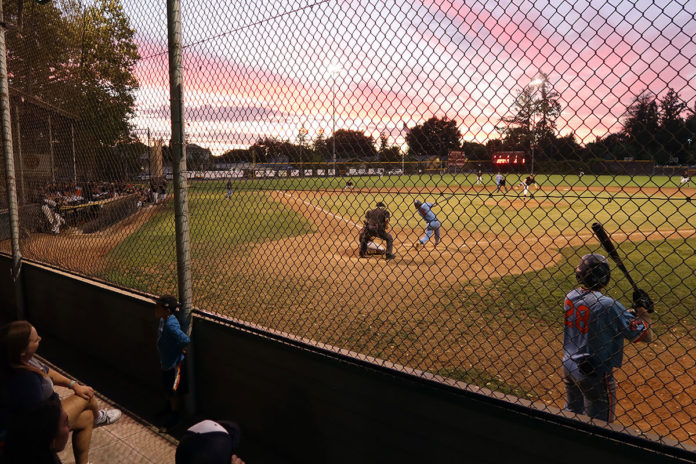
595, 327
433, 225
376, 223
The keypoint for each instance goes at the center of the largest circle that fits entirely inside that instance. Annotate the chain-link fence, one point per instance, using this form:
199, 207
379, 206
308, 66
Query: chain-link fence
494, 133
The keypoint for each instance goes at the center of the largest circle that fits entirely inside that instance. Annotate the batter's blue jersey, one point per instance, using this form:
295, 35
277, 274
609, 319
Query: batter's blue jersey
596, 325
427, 213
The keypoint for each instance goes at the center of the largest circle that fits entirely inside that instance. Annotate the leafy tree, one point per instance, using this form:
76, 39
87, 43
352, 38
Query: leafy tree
352, 144
673, 136
386, 152
80, 59
321, 150
533, 123
548, 109
475, 151
559, 148
235, 155
197, 157
642, 124
436, 137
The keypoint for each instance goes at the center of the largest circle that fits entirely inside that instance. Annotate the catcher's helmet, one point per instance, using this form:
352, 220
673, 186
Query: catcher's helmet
593, 271
417, 203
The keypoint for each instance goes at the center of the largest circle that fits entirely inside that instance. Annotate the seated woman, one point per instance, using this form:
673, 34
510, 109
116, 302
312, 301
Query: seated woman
26, 382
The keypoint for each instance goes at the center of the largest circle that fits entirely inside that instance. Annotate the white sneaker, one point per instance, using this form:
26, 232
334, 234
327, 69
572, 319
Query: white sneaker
107, 417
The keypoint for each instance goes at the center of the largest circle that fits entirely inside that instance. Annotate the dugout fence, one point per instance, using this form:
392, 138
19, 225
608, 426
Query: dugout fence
360, 104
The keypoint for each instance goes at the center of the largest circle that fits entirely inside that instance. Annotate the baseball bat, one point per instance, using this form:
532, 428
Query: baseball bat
608, 245
447, 197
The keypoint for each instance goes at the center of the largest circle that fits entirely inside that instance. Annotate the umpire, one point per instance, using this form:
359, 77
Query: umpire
376, 222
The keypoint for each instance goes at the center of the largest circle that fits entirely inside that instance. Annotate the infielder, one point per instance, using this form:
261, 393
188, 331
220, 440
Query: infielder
376, 223
528, 182
433, 225
229, 189
593, 338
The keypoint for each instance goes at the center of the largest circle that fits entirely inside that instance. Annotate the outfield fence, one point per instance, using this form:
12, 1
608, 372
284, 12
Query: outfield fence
300, 117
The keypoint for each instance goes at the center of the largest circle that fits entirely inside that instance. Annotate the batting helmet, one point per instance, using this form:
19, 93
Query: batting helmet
593, 271
417, 203
380, 205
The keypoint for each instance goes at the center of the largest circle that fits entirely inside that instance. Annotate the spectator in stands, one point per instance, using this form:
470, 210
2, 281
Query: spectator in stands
171, 345
209, 442
37, 435
26, 382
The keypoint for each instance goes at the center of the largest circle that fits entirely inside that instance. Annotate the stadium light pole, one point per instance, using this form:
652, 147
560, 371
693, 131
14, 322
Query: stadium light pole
334, 71
534, 85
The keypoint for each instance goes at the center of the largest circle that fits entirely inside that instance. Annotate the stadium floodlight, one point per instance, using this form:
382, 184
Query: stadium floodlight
334, 71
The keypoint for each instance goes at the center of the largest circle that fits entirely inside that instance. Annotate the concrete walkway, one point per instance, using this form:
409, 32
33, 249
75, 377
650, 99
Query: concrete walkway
128, 441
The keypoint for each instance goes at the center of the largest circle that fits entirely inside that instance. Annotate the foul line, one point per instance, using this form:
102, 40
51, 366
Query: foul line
341, 218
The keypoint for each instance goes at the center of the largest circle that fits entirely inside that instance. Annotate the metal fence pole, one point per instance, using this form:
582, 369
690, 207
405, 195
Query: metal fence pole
178, 148
183, 249
13, 209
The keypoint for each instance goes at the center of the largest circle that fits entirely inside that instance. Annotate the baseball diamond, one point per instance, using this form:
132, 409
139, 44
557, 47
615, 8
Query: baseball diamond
472, 327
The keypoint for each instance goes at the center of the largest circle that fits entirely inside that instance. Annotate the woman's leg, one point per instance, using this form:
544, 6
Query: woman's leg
81, 418
74, 405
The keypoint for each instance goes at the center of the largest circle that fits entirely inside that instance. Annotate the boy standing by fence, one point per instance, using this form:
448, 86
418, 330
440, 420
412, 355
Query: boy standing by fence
171, 344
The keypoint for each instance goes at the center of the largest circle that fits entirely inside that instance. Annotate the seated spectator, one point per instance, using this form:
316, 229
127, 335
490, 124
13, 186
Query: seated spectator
27, 382
37, 435
209, 442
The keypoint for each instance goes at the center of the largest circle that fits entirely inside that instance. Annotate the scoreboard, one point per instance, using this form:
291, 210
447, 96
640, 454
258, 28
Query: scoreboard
508, 158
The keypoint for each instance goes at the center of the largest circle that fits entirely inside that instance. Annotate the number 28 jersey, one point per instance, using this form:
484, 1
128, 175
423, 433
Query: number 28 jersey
596, 325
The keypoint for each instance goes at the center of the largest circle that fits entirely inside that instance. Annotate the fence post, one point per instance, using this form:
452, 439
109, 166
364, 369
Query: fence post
181, 215
12, 207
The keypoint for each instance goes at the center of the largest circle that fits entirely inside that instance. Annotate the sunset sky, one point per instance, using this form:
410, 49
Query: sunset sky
254, 69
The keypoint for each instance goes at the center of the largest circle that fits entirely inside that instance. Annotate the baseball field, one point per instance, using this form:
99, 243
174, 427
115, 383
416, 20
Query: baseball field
485, 306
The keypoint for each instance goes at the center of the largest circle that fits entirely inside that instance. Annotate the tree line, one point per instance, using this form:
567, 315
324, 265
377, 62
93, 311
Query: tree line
660, 129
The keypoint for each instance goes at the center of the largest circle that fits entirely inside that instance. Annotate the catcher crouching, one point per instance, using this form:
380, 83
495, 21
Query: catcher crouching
376, 223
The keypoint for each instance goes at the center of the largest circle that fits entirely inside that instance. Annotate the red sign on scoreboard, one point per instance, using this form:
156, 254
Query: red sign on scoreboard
456, 159
508, 157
